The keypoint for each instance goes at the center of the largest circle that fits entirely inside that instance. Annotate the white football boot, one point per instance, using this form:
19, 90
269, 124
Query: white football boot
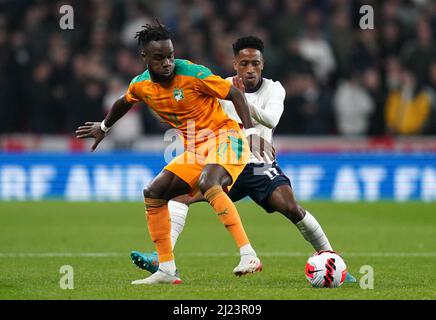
249, 264
160, 277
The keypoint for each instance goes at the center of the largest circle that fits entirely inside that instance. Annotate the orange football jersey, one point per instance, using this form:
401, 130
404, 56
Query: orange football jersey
191, 98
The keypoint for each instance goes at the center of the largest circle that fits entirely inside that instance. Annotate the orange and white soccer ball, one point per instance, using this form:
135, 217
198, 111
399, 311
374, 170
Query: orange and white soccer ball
326, 269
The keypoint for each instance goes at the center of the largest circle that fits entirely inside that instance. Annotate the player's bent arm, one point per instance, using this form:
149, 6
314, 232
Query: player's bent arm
270, 116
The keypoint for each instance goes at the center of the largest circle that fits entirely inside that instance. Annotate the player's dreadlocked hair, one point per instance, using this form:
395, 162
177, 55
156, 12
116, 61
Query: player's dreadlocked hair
152, 33
247, 42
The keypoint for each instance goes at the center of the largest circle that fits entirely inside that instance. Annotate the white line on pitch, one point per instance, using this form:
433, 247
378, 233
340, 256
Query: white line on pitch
306, 254
214, 254
60, 254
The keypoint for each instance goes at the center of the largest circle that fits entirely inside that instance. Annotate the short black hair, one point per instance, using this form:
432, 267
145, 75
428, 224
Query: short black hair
152, 33
251, 42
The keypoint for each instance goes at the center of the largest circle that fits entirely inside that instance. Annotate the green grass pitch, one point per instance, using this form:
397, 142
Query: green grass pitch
397, 240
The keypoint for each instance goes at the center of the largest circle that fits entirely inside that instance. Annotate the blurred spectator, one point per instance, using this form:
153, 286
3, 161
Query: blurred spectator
366, 51
84, 95
129, 127
315, 48
8, 107
294, 62
371, 81
290, 23
60, 55
418, 53
431, 90
408, 105
40, 100
307, 107
136, 17
410, 12
390, 38
343, 38
353, 106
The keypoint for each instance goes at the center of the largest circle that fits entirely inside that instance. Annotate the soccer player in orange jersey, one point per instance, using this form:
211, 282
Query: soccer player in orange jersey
186, 96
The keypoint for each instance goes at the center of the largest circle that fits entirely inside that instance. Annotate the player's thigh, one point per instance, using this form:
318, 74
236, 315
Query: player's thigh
265, 187
214, 174
166, 185
187, 170
282, 197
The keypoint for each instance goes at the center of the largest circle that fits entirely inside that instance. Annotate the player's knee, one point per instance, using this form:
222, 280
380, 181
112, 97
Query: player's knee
185, 199
153, 193
208, 181
146, 193
205, 184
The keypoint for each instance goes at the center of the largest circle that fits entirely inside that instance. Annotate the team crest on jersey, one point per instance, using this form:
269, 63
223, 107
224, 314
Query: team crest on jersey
178, 94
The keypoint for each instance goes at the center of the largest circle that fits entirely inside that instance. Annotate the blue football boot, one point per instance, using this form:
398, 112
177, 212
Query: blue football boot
146, 261
349, 278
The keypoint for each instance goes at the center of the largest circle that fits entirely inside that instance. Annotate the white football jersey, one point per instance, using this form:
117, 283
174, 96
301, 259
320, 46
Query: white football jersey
266, 107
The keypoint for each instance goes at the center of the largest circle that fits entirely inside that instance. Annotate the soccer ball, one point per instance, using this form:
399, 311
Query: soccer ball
326, 269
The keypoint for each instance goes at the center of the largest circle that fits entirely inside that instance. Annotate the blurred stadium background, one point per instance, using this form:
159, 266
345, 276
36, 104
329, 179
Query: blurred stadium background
360, 110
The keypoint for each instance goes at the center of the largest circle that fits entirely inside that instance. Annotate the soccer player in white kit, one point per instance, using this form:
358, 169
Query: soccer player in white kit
264, 183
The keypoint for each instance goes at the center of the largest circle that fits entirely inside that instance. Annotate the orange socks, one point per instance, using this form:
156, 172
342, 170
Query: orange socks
227, 213
159, 226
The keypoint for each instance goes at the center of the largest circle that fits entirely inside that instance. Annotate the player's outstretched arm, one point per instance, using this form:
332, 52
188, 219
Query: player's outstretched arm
262, 149
98, 130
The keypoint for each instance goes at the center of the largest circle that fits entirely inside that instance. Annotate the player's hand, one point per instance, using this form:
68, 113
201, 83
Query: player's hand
237, 82
262, 149
91, 130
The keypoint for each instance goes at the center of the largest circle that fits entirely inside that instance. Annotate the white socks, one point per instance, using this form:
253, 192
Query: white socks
247, 249
247, 253
312, 232
168, 267
178, 212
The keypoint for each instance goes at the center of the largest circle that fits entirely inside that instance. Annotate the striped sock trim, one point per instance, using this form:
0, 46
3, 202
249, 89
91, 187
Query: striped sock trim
154, 203
212, 193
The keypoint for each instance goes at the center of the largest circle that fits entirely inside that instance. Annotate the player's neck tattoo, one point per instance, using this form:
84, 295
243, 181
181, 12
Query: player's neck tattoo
256, 87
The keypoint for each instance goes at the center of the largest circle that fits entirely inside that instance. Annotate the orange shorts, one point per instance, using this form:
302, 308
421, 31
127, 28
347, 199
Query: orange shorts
230, 150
